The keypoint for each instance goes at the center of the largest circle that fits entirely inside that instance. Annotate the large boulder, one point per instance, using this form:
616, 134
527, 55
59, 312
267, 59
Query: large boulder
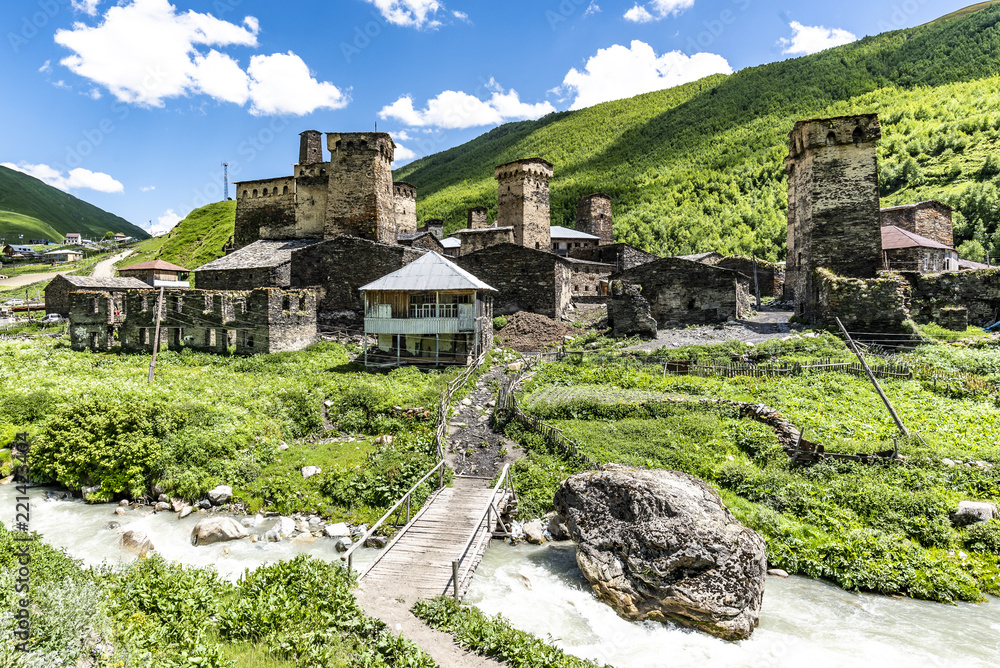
220, 495
217, 530
137, 542
629, 313
661, 545
973, 512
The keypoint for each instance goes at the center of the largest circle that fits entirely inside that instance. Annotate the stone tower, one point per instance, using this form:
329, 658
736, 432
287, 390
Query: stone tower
360, 197
310, 147
478, 218
593, 216
833, 202
404, 199
523, 201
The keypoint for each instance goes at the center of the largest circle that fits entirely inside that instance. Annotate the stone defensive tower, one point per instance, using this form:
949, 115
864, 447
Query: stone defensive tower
404, 200
833, 202
360, 197
310, 147
478, 218
523, 201
593, 216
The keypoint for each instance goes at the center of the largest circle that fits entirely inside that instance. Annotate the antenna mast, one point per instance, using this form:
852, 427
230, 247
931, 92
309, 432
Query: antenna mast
225, 179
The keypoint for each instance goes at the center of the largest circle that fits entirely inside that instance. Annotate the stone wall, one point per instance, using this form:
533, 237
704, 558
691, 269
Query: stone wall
589, 279
622, 256
338, 267
405, 206
58, 290
629, 313
977, 291
681, 292
360, 198
523, 201
245, 279
526, 279
863, 305
267, 205
931, 219
265, 320
312, 186
477, 239
770, 276
478, 218
593, 216
833, 202
924, 260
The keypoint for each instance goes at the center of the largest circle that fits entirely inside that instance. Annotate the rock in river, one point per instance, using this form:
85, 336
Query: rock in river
220, 495
661, 545
137, 542
217, 530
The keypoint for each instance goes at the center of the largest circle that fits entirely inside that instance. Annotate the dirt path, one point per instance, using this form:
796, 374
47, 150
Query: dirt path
28, 279
474, 449
767, 324
106, 268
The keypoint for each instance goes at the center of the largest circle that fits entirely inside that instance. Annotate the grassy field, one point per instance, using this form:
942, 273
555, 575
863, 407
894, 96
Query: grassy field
14, 225
197, 239
880, 528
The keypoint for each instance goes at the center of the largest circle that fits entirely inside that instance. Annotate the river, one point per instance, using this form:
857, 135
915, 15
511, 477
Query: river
539, 589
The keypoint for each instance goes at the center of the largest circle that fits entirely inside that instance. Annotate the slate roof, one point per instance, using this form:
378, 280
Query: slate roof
559, 232
896, 237
261, 254
916, 205
451, 242
969, 265
154, 264
103, 283
430, 272
700, 257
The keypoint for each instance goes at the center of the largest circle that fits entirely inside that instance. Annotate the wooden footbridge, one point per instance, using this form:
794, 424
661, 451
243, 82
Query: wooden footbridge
438, 549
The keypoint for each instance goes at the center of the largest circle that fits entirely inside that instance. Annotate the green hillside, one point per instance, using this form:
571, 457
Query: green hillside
52, 211
700, 167
197, 239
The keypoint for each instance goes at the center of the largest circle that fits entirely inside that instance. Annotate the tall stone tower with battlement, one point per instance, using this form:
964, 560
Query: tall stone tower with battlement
360, 197
523, 201
404, 201
478, 218
593, 216
833, 202
310, 147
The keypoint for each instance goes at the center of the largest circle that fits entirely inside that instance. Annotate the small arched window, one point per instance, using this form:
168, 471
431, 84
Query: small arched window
264, 193
284, 191
254, 192
831, 139
245, 194
858, 136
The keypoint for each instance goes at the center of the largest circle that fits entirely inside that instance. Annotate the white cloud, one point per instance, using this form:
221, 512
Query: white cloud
461, 16
93, 94
46, 67
592, 8
812, 39
146, 189
164, 223
457, 110
401, 154
656, 10
146, 51
86, 6
401, 135
281, 84
410, 13
75, 179
619, 72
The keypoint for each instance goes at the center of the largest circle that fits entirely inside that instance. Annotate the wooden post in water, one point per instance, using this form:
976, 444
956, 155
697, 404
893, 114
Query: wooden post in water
871, 376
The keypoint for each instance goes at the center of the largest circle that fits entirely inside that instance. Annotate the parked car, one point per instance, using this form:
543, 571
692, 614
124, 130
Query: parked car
51, 318
14, 302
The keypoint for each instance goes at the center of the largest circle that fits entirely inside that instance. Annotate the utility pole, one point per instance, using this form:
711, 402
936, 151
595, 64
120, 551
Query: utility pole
156, 337
225, 179
871, 376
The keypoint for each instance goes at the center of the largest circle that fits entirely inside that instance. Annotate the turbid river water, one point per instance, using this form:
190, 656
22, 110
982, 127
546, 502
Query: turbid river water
804, 623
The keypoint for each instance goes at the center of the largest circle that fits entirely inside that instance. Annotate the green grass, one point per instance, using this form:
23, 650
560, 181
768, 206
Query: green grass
700, 167
13, 225
197, 239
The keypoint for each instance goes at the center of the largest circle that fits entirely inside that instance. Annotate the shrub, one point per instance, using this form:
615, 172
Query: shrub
984, 537
499, 322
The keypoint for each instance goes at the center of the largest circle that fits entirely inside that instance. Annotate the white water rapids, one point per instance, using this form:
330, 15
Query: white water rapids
539, 589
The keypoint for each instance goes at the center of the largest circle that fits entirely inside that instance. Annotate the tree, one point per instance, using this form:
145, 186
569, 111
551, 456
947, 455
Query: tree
108, 235
972, 250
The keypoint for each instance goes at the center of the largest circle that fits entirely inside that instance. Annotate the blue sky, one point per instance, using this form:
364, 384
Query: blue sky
133, 104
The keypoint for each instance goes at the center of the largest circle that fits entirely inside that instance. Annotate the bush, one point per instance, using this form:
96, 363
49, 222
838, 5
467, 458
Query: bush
499, 322
984, 537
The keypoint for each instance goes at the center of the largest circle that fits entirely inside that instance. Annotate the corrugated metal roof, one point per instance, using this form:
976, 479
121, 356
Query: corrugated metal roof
451, 242
559, 232
154, 264
896, 237
430, 272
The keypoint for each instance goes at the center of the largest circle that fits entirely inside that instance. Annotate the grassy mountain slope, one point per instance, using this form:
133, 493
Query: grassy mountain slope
700, 167
59, 211
197, 239
13, 225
